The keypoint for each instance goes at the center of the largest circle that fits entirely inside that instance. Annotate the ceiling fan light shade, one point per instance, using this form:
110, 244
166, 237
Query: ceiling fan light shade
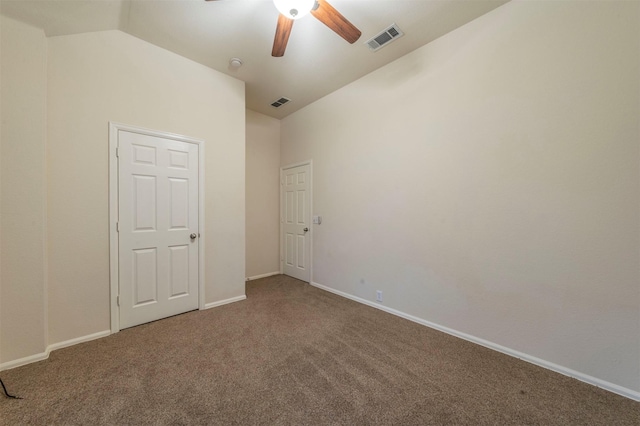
294, 9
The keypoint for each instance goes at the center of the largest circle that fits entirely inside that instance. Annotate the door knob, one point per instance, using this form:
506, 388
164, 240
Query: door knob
306, 229
193, 236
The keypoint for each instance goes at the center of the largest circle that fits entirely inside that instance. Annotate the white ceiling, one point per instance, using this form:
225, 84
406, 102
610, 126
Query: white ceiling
316, 62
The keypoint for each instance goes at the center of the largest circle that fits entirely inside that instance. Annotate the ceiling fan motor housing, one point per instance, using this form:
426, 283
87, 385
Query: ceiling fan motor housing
291, 10
294, 9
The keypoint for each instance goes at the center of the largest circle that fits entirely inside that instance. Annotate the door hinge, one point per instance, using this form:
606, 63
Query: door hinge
117, 226
118, 300
117, 152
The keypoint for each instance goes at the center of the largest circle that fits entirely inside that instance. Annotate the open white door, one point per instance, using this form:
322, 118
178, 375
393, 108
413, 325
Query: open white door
295, 218
158, 227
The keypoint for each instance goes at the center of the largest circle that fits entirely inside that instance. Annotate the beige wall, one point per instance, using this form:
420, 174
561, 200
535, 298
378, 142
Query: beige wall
22, 190
488, 182
262, 194
54, 208
110, 76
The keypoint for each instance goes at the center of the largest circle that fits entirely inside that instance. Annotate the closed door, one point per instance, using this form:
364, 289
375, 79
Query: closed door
157, 227
295, 218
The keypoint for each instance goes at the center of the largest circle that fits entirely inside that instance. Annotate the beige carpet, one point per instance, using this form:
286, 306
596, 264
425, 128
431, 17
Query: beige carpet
292, 354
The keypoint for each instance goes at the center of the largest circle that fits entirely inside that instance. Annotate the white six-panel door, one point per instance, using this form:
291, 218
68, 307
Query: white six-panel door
157, 227
295, 217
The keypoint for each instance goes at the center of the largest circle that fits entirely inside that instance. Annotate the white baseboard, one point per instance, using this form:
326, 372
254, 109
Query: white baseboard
611, 387
24, 361
77, 340
44, 355
224, 302
256, 277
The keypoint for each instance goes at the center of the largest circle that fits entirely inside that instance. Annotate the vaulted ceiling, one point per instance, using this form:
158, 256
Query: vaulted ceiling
316, 62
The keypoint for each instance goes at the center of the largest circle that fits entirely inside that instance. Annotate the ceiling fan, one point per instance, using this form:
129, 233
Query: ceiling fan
290, 10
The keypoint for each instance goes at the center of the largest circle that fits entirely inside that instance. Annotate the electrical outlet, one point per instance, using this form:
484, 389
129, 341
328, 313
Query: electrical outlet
378, 296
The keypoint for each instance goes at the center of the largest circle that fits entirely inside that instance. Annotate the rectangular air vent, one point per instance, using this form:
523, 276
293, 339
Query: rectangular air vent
384, 37
280, 102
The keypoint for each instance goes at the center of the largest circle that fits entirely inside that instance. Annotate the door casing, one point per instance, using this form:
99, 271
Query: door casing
114, 129
282, 242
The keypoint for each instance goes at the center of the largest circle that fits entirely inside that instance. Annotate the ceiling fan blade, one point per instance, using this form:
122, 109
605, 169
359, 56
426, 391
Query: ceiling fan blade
329, 16
283, 30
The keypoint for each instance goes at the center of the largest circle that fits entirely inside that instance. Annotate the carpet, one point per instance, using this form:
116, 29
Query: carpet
292, 354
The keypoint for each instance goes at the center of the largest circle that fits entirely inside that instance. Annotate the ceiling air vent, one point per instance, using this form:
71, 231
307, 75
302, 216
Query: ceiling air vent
280, 102
384, 37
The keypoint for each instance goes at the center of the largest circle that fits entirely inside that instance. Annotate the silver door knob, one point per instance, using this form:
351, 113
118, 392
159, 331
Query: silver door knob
193, 236
306, 229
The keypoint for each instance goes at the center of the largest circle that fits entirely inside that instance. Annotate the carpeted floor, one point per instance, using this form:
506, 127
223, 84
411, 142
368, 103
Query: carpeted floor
295, 355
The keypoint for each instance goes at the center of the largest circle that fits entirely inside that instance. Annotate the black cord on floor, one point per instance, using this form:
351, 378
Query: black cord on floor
7, 393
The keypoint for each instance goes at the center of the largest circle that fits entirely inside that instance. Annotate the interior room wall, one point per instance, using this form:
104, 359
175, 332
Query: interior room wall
95, 78
22, 190
262, 195
488, 183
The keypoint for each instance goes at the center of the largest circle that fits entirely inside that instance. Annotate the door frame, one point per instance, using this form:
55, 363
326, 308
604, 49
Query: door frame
114, 266
309, 218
